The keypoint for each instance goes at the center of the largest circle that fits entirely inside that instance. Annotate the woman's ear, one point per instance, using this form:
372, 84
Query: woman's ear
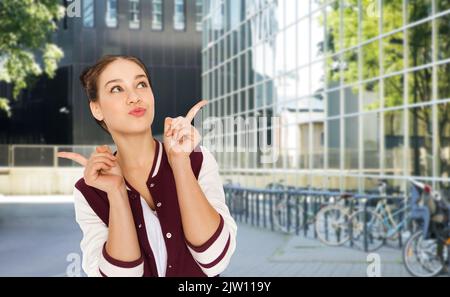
96, 110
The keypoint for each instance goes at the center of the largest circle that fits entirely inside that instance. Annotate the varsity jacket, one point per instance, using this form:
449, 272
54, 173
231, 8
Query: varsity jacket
182, 258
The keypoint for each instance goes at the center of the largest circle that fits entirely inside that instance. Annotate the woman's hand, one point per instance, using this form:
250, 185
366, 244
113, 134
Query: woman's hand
180, 137
101, 171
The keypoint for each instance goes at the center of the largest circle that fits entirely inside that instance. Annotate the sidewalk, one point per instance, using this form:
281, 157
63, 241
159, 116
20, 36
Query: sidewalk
263, 253
36, 239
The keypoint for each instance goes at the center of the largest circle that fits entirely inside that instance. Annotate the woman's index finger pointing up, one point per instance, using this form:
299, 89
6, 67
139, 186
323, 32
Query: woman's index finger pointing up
194, 110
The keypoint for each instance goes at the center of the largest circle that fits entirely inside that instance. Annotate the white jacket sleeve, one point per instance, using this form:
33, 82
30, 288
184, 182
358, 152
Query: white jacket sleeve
214, 256
96, 261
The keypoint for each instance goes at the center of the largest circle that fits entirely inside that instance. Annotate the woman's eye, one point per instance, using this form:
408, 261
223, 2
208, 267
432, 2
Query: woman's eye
115, 89
142, 85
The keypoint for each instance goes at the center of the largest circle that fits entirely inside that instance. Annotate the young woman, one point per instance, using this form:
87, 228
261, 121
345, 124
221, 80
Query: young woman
150, 208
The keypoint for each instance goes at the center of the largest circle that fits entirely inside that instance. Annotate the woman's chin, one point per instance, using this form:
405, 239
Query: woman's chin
135, 129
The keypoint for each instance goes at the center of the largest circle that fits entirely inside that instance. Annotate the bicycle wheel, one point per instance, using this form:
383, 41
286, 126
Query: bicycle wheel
376, 231
421, 258
332, 225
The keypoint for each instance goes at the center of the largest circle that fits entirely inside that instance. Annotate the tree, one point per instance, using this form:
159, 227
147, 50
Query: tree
419, 53
25, 34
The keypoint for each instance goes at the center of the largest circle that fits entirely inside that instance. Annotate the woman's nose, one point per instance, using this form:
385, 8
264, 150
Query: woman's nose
133, 97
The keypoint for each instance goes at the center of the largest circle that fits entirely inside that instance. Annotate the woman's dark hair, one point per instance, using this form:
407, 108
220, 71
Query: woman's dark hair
89, 78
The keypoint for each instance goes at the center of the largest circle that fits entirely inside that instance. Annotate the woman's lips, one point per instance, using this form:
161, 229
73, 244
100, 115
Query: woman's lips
138, 112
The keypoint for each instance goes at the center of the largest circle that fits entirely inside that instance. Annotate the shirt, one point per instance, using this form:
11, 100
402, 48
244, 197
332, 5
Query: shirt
155, 236
164, 248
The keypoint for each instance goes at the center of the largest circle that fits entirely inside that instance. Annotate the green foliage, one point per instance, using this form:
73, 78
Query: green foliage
25, 37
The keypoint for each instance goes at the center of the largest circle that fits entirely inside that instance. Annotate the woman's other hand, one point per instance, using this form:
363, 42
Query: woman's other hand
101, 170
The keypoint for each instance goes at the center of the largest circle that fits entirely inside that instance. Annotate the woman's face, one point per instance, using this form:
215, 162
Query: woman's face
124, 87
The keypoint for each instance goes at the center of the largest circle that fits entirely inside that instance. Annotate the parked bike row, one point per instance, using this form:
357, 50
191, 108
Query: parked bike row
363, 221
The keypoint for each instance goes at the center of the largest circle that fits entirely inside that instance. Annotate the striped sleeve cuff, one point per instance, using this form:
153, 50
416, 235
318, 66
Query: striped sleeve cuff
110, 267
211, 256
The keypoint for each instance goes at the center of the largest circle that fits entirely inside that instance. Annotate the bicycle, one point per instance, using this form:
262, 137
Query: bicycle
372, 228
332, 221
426, 252
381, 224
336, 224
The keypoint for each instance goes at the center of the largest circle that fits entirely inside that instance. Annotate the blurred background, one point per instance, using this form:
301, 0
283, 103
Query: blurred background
361, 89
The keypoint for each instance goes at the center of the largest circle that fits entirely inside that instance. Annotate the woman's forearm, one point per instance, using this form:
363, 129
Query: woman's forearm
122, 241
200, 220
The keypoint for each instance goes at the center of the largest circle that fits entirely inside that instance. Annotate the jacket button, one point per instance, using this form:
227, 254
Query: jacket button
152, 185
158, 204
170, 266
169, 235
140, 226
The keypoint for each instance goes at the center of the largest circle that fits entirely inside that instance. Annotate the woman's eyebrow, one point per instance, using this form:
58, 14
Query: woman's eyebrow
111, 81
140, 76
119, 80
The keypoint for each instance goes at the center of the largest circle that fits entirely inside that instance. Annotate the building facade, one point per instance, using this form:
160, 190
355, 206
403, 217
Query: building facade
361, 89
164, 34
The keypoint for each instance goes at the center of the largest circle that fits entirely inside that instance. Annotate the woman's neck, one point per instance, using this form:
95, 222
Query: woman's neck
135, 151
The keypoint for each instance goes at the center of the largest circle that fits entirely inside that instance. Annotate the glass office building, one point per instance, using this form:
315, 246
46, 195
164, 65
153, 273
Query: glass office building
360, 89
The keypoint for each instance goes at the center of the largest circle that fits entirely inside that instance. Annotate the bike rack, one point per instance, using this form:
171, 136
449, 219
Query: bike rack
252, 200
